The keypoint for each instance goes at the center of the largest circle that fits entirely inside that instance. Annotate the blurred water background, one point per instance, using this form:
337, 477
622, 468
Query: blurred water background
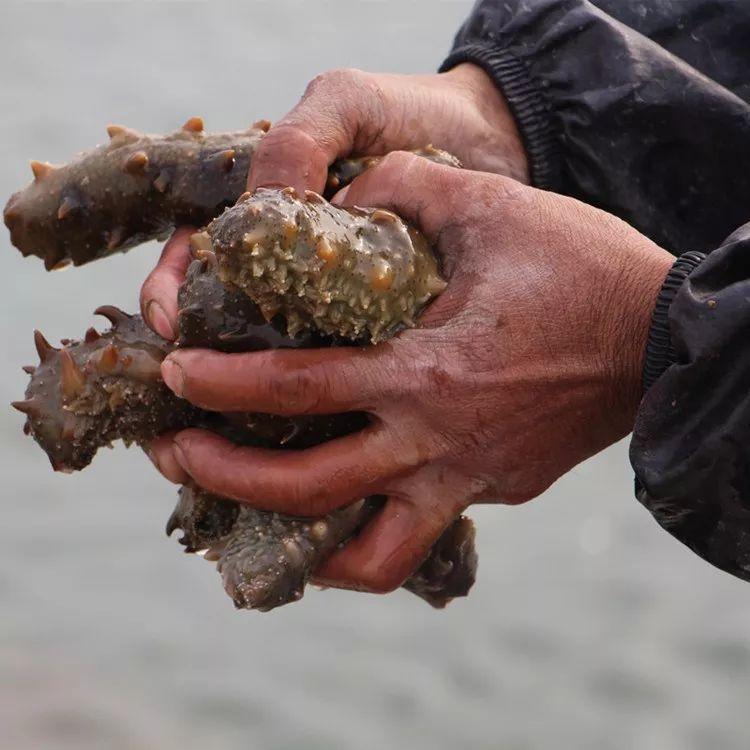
589, 627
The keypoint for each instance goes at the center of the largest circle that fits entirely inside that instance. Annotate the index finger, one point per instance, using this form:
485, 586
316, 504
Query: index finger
286, 382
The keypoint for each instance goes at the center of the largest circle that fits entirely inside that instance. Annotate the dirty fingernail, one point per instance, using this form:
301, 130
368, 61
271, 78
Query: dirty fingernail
180, 456
159, 320
173, 375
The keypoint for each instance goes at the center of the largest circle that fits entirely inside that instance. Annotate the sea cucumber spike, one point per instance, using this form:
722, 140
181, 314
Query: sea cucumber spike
41, 169
173, 523
67, 205
200, 244
228, 159
27, 406
115, 238
209, 261
435, 285
290, 191
43, 347
113, 314
72, 379
136, 163
91, 335
11, 215
244, 197
161, 183
193, 125
29, 369
108, 359
312, 197
264, 125
127, 134
381, 216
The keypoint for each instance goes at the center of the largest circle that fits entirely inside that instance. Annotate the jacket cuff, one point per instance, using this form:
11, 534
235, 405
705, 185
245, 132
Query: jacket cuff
525, 101
660, 352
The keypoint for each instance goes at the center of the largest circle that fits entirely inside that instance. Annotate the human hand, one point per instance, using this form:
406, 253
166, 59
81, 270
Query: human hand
350, 111
527, 364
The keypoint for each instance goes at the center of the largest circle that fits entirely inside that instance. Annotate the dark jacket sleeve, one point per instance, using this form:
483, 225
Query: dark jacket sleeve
710, 35
691, 444
612, 118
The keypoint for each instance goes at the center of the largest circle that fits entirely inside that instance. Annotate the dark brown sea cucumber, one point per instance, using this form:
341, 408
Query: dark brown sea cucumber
294, 272
132, 189
138, 187
105, 387
356, 273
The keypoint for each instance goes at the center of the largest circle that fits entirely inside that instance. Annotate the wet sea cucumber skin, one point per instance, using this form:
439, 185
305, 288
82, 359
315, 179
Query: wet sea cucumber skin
266, 559
275, 271
106, 387
138, 187
103, 388
132, 189
361, 274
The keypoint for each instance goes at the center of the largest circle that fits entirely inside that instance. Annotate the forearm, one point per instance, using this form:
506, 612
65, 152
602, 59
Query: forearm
691, 444
611, 118
710, 35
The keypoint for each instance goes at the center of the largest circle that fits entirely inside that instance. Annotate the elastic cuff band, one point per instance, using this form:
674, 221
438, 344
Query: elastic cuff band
526, 103
660, 353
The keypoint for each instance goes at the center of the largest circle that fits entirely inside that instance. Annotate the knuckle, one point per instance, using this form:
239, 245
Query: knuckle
297, 390
337, 79
286, 136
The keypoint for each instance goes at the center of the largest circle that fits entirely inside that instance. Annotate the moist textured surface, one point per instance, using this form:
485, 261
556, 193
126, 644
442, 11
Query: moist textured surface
275, 271
266, 559
108, 386
105, 387
138, 187
351, 272
132, 189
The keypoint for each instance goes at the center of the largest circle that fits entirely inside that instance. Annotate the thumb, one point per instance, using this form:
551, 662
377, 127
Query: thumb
429, 196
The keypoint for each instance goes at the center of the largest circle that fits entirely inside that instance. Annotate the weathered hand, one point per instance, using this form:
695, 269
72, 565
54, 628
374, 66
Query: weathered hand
350, 111
527, 364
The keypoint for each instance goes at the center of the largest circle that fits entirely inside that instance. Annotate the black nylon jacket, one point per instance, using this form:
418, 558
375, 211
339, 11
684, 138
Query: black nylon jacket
641, 108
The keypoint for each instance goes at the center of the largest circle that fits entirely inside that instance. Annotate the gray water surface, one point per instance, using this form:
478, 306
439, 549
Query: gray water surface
589, 628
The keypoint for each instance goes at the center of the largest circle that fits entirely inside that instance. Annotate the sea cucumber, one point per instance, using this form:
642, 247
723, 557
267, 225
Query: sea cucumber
89, 393
132, 189
138, 187
352, 272
103, 388
274, 271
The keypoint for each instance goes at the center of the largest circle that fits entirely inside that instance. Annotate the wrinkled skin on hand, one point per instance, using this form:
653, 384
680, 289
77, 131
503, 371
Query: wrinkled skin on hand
345, 112
529, 363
